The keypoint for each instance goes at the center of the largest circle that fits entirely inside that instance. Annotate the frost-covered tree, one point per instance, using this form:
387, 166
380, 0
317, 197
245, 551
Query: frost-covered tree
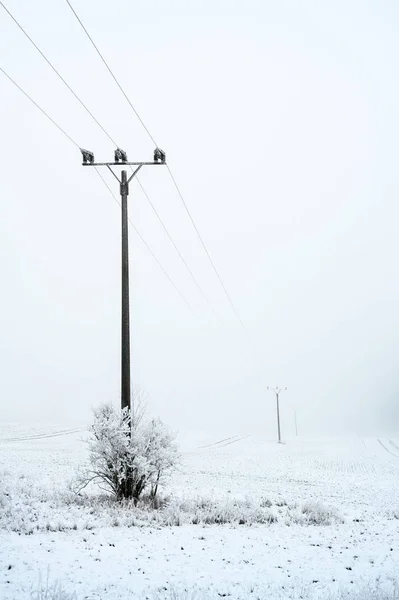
161, 451
128, 454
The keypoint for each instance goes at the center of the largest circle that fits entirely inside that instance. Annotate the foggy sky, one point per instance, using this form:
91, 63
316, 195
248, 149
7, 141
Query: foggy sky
280, 123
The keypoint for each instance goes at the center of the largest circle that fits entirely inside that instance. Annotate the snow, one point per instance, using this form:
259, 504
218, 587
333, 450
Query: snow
94, 550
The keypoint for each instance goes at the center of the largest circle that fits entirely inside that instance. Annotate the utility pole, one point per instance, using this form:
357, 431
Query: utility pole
120, 159
278, 391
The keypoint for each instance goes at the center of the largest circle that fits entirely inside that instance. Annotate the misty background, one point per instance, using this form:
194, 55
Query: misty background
280, 123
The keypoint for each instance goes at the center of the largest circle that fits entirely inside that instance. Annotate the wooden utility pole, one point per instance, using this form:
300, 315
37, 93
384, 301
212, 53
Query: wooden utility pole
278, 391
125, 324
121, 160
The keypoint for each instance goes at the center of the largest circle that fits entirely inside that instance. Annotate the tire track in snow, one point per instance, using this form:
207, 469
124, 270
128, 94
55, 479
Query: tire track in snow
233, 437
387, 449
221, 443
394, 445
234, 441
216, 445
42, 436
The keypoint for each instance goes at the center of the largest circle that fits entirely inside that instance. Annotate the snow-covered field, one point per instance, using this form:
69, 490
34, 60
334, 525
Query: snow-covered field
312, 518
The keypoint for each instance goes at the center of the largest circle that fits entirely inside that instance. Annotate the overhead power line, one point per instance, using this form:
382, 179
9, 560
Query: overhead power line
206, 250
57, 73
40, 108
143, 240
170, 172
178, 251
77, 146
113, 142
111, 73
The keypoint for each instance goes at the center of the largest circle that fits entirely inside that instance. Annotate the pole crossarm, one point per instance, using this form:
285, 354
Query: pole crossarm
278, 390
120, 164
134, 173
130, 178
114, 174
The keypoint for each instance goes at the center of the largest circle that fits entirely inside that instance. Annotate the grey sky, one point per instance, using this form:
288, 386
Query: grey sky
280, 123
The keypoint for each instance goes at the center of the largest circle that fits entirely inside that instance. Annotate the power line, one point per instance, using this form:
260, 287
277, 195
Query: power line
178, 251
206, 250
77, 146
170, 172
57, 73
110, 71
143, 240
115, 144
40, 108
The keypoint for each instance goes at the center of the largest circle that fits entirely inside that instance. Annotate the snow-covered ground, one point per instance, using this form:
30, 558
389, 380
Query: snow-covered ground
97, 553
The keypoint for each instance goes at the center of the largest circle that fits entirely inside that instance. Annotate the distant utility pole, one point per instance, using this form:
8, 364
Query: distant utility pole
120, 159
278, 391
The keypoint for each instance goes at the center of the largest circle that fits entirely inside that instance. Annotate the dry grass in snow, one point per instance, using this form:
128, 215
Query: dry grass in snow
27, 508
372, 591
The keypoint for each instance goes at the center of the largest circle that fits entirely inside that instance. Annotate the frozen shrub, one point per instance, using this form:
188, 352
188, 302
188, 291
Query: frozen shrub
266, 503
281, 502
129, 455
314, 513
